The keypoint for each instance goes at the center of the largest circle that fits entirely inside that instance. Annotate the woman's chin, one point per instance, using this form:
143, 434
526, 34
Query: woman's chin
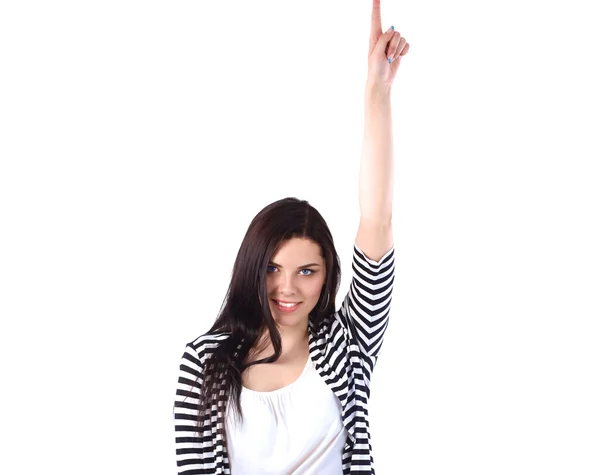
290, 320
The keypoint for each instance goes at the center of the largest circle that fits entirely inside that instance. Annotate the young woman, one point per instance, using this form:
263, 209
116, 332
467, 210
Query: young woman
280, 383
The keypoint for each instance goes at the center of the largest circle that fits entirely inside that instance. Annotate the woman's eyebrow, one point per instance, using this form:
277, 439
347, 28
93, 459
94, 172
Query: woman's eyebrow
301, 267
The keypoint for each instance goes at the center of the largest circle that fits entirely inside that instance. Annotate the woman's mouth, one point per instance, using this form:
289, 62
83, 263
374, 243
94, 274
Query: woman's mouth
286, 307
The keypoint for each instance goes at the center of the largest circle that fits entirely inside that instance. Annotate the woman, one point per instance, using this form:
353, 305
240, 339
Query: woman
280, 383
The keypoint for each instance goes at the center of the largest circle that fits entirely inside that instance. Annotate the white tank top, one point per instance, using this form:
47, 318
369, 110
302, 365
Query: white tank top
294, 430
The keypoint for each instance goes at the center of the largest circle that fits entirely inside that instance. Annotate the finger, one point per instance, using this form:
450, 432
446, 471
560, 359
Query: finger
376, 21
384, 43
396, 62
399, 47
393, 45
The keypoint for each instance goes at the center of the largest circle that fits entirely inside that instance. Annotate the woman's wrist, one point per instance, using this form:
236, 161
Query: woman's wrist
377, 91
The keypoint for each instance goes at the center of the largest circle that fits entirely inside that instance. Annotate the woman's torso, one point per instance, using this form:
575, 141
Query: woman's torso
273, 376
292, 421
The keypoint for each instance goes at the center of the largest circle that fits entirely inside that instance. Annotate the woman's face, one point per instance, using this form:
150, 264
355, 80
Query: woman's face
296, 274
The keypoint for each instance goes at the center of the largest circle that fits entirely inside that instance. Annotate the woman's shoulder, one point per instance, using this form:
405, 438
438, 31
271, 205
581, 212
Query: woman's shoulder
329, 328
208, 341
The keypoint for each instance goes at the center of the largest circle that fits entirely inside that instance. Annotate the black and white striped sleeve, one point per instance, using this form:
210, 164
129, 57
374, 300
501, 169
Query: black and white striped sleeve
365, 310
187, 441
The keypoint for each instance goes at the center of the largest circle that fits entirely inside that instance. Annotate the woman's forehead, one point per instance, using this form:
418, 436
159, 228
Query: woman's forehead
297, 252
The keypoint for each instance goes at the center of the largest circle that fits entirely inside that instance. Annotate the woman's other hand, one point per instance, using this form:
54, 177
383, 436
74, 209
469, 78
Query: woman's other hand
381, 47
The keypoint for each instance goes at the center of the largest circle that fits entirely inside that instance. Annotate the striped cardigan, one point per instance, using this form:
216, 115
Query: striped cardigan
344, 349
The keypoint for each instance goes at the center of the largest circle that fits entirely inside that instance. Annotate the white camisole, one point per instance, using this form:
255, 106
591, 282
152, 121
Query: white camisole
294, 430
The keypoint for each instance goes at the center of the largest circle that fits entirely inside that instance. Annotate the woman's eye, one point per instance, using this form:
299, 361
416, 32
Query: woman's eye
275, 268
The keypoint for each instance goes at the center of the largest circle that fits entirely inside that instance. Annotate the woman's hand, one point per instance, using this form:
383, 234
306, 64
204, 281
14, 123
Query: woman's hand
381, 47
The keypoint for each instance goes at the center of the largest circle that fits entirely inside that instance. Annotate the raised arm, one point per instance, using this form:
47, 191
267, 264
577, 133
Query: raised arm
376, 179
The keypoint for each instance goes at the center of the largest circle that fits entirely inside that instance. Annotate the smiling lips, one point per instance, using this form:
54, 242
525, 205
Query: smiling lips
286, 306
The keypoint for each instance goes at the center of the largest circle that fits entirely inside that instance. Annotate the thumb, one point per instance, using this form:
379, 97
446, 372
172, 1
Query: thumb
384, 40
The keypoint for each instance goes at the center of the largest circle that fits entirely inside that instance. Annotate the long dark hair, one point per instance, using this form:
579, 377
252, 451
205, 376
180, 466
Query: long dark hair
245, 312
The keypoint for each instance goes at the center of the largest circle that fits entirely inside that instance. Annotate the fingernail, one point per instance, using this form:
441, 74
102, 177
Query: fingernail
389, 60
392, 27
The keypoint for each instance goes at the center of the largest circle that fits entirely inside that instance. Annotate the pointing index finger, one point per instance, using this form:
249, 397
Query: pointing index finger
376, 20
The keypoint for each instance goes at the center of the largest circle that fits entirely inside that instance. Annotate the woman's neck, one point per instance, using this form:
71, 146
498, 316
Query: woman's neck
294, 341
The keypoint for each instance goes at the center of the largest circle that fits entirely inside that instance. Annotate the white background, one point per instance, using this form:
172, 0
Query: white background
139, 139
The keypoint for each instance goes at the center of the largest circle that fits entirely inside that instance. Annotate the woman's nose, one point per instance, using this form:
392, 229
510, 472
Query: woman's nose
286, 283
